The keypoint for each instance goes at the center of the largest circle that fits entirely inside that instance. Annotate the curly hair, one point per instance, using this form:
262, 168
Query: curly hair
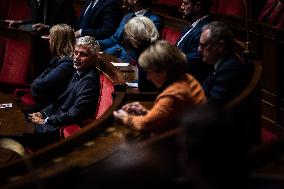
90, 42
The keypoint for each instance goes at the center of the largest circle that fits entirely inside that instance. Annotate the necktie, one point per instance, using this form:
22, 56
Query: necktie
206, 84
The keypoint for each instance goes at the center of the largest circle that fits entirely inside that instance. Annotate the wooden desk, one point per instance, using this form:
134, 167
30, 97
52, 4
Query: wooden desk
12, 120
129, 72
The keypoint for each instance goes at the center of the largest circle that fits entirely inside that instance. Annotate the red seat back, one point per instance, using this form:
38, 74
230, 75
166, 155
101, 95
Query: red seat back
15, 67
2, 50
232, 7
105, 101
170, 35
267, 136
19, 10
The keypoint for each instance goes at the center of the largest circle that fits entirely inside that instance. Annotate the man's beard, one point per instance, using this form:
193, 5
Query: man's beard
189, 17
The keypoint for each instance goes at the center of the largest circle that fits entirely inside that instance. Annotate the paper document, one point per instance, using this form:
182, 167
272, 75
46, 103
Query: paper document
6, 105
120, 64
132, 84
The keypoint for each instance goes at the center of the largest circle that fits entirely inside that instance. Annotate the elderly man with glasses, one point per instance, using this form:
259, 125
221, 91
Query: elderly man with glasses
229, 76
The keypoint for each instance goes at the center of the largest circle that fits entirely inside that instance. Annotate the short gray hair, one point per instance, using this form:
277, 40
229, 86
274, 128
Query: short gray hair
90, 42
220, 31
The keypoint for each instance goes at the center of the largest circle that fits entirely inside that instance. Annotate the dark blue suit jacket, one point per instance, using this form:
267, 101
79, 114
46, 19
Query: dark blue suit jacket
58, 11
103, 20
113, 45
53, 81
226, 82
189, 45
76, 104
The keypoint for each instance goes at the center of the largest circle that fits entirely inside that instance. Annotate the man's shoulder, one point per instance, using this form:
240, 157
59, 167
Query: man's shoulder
231, 63
231, 60
91, 74
90, 79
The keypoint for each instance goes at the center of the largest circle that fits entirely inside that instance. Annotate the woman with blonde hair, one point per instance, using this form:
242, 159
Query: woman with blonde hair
139, 33
164, 64
54, 80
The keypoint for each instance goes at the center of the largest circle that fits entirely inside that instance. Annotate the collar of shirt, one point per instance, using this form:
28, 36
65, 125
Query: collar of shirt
217, 64
96, 1
197, 21
191, 28
141, 12
89, 6
79, 73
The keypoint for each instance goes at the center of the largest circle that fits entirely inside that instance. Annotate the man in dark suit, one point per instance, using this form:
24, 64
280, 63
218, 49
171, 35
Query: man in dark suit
99, 19
46, 13
80, 99
229, 76
197, 13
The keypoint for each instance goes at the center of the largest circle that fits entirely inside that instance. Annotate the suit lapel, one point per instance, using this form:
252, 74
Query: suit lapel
96, 9
126, 19
73, 82
207, 83
184, 37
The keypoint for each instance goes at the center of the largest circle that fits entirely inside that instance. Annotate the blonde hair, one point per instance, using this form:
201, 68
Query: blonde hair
140, 30
62, 40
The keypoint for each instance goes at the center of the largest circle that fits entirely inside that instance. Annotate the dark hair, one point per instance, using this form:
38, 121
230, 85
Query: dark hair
145, 3
220, 31
205, 4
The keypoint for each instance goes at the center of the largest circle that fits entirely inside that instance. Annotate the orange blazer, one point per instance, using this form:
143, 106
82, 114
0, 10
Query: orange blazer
183, 94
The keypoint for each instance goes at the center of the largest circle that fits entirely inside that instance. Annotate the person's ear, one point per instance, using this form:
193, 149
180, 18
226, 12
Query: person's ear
221, 45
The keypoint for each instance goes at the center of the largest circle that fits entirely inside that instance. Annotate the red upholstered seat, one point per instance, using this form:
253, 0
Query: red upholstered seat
28, 100
25, 95
15, 67
2, 50
170, 2
14, 10
272, 14
105, 101
170, 35
267, 136
18, 10
229, 7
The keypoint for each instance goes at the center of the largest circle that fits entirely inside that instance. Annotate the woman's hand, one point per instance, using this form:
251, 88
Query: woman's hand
135, 108
120, 115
